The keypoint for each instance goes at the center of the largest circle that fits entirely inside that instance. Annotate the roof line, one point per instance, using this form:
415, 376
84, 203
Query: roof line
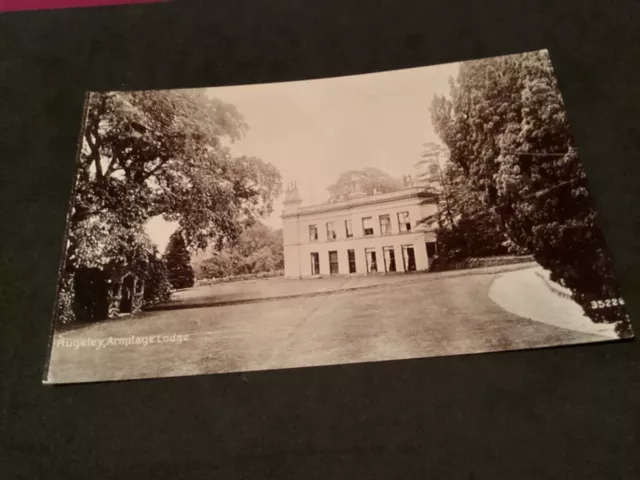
329, 207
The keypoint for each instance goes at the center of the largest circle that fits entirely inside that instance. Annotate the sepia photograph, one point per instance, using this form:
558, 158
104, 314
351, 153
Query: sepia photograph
430, 211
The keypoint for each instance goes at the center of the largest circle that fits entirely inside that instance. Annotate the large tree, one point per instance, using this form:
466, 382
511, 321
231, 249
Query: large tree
462, 225
166, 153
506, 129
367, 181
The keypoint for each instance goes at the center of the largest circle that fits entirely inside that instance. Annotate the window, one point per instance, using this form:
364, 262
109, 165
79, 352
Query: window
313, 233
409, 258
352, 261
315, 263
389, 259
403, 222
432, 251
372, 264
367, 226
333, 262
348, 228
331, 231
385, 224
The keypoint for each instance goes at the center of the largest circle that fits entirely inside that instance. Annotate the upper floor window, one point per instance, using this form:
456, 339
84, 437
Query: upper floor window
385, 224
367, 225
403, 221
331, 231
313, 233
348, 228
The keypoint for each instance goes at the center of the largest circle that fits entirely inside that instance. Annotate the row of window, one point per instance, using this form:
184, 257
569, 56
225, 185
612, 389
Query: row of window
404, 225
373, 265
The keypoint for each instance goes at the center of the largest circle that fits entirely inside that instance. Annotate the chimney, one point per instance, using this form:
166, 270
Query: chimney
292, 199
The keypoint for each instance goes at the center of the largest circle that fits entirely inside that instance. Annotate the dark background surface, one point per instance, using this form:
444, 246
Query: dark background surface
559, 413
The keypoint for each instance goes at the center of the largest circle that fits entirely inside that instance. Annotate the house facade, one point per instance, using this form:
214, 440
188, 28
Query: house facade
370, 234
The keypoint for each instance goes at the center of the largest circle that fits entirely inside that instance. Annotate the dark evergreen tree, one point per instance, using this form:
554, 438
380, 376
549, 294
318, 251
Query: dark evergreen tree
157, 288
506, 130
463, 226
177, 260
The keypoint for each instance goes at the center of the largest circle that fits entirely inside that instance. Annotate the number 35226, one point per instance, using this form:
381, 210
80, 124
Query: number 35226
610, 302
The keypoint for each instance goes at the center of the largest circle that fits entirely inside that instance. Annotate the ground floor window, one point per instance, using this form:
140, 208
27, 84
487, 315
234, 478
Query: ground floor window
315, 263
352, 261
389, 259
431, 249
409, 258
333, 262
372, 263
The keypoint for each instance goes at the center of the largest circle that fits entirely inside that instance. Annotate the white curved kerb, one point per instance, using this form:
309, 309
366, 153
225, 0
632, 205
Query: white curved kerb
524, 293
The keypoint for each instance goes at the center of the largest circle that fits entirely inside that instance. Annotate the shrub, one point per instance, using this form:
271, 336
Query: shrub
64, 306
157, 288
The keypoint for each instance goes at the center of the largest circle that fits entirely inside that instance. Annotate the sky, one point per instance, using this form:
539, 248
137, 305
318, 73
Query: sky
314, 130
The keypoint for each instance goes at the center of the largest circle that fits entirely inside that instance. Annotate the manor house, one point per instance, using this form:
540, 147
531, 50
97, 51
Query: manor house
363, 234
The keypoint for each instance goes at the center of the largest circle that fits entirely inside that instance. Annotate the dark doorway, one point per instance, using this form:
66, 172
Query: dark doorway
432, 251
91, 295
372, 264
333, 263
315, 263
389, 259
352, 261
409, 258
126, 301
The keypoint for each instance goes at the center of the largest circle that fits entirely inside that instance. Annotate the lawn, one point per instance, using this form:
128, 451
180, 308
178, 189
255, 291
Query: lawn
279, 287
453, 315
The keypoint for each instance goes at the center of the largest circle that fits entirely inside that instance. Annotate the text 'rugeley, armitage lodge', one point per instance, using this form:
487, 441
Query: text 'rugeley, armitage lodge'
377, 233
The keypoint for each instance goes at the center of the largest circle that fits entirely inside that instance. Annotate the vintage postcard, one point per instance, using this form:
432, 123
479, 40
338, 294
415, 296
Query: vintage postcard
423, 212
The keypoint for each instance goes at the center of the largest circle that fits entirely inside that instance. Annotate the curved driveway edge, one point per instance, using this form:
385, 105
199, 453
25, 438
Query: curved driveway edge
524, 293
280, 288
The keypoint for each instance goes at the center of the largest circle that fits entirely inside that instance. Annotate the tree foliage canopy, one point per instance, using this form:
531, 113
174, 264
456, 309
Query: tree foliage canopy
507, 133
164, 153
151, 153
367, 181
258, 249
462, 225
